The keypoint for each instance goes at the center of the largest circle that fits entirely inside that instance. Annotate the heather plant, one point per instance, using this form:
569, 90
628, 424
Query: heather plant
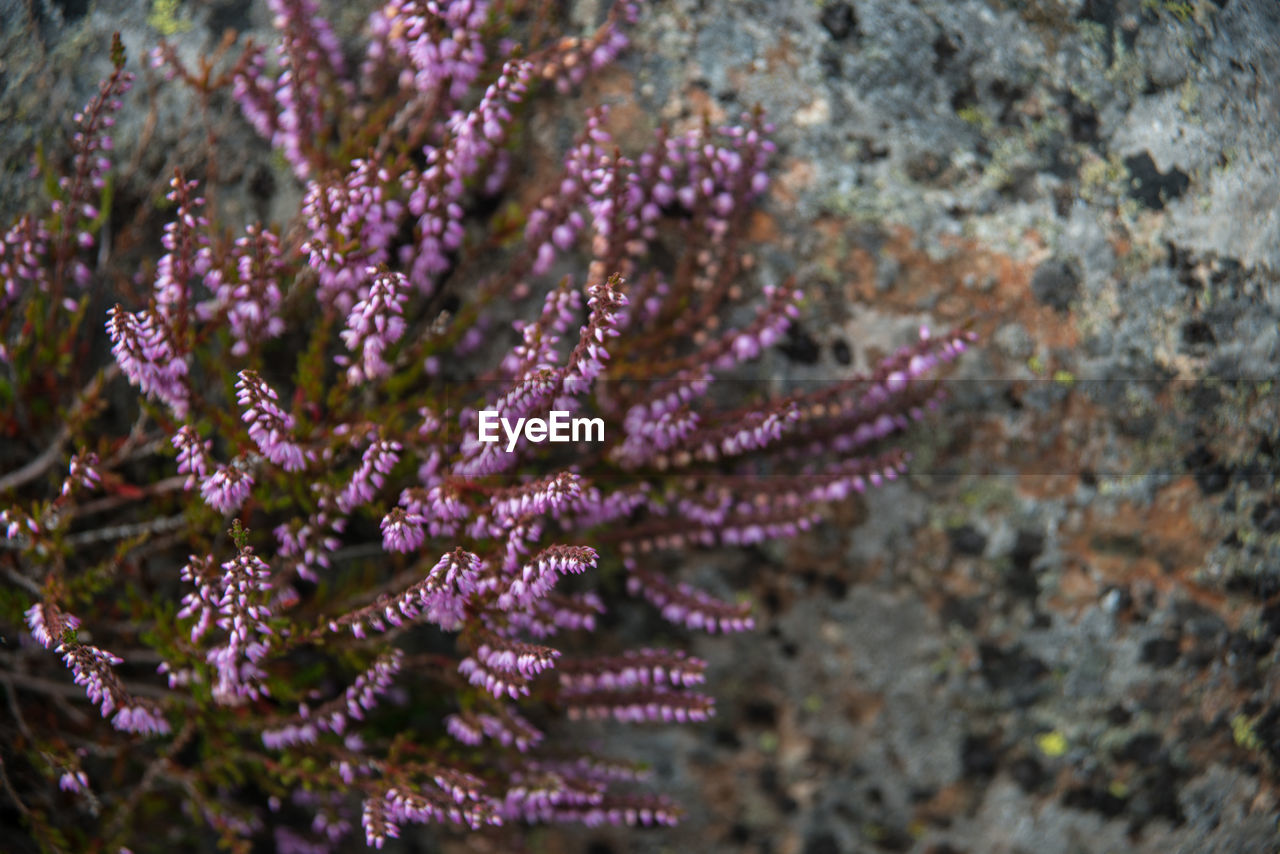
263, 570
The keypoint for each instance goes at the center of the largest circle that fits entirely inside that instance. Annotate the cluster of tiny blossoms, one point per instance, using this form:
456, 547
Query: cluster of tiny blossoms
333, 582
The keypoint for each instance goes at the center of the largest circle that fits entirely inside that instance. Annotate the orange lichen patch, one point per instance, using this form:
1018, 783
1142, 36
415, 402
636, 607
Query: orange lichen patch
631, 127
700, 103
944, 806
1121, 244
941, 577
861, 709
762, 228
1041, 452
947, 283
1078, 588
1160, 545
795, 177
1059, 484
780, 56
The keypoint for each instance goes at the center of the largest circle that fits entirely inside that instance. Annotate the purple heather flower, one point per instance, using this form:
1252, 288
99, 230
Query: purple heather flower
375, 323
621, 811
440, 597
402, 532
47, 623
188, 255
631, 670
89, 164
311, 543
553, 613
82, 473
433, 44
473, 138
254, 92
23, 250
295, 117
412, 189
376, 463
352, 224
363, 694
693, 608
506, 728
141, 718
250, 296
770, 324
453, 804
360, 697
92, 670
650, 705
501, 683
605, 301
193, 454
378, 826
540, 574
202, 603
76, 781
290, 734
230, 599
537, 348
525, 659
441, 508
545, 497
269, 425
18, 524
227, 488
143, 348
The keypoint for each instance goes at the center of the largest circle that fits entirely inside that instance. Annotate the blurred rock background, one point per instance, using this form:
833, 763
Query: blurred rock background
1059, 633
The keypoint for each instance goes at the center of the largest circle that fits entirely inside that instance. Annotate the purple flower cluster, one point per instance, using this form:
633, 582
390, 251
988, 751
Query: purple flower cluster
436, 48
18, 525
293, 112
655, 705
249, 293
76, 781
630, 670
389, 537
22, 255
540, 574
440, 597
76, 209
188, 255
232, 597
505, 726
92, 668
473, 139
228, 487
687, 605
359, 698
352, 223
638, 686
377, 461
143, 345
47, 623
82, 473
193, 454
375, 323
269, 425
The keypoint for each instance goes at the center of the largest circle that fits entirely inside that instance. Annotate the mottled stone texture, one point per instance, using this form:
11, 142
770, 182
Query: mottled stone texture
1060, 634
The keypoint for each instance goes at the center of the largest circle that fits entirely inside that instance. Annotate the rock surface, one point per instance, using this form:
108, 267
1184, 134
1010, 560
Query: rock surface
1059, 634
